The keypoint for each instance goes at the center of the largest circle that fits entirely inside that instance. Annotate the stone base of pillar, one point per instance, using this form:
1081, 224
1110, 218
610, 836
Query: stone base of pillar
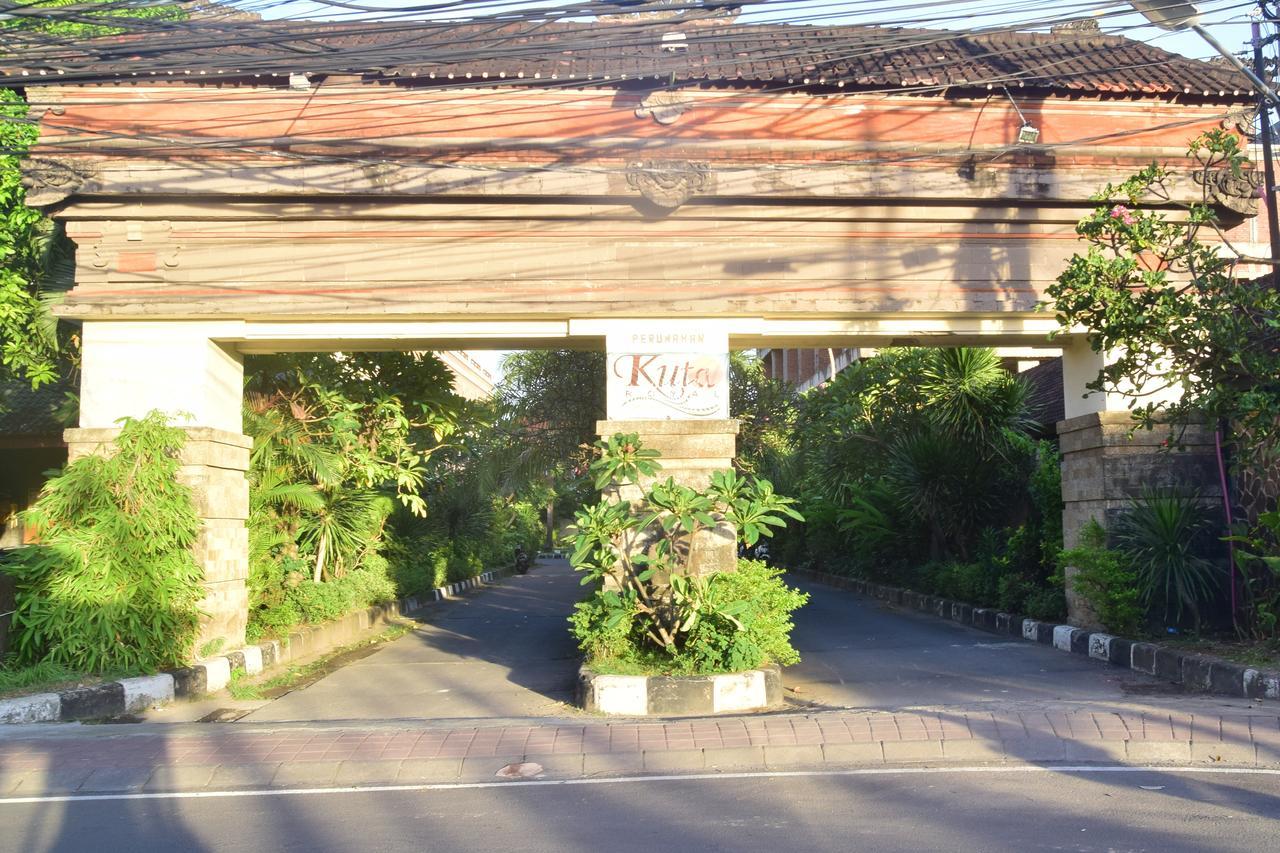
691, 451
214, 463
1103, 467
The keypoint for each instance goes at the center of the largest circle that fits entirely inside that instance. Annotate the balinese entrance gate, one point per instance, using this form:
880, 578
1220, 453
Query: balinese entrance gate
626, 187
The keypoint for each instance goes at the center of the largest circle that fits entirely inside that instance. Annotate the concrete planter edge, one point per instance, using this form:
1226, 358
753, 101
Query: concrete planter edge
679, 695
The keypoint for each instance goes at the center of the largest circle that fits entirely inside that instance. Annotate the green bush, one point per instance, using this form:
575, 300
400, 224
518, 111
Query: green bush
716, 645
1046, 603
1106, 579
464, 562
1167, 537
112, 584
274, 621
761, 603
602, 634
303, 601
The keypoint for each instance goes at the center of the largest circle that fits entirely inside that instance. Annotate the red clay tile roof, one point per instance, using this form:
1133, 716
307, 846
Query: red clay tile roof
572, 53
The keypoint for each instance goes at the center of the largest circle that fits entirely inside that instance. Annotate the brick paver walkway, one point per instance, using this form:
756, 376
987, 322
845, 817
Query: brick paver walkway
209, 757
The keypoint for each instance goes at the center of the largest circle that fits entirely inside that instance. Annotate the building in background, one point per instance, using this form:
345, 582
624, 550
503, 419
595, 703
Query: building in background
806, 368
471, 379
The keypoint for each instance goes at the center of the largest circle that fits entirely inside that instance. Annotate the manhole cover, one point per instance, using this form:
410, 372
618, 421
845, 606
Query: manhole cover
523, 770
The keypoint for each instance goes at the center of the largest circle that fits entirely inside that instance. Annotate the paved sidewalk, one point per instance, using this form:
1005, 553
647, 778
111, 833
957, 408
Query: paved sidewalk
204, 757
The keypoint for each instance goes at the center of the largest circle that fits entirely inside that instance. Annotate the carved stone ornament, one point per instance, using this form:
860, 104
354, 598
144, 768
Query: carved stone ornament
1241, 120
382, 175
664, 107
1234, 192
668, 183
53, 180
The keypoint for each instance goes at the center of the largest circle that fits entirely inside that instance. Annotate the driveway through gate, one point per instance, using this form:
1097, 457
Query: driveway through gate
666, 195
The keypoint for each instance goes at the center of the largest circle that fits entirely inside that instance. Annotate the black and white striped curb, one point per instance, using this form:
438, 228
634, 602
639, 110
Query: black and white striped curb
1202, 673
133, 695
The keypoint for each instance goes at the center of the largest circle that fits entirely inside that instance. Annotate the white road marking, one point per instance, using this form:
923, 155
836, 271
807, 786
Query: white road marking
1084, 769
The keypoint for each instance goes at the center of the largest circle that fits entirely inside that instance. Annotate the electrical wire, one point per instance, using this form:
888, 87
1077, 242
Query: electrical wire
853, 49
871, 42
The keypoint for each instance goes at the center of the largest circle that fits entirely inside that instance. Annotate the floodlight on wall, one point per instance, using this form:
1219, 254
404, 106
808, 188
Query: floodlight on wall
1028, 134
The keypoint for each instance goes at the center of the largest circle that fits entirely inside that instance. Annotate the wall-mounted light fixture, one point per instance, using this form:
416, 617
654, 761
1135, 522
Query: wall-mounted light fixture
1028, 134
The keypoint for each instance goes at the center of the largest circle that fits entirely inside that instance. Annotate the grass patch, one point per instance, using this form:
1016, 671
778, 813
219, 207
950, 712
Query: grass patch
243, 686
1263, 654
44, 677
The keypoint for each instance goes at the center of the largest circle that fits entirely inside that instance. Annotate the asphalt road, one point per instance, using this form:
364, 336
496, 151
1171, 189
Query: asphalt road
858, 652
939, 810
505, 652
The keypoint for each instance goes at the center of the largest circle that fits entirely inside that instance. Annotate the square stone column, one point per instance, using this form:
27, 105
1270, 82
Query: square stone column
668, 383
1104, 466
179, 368
692, 450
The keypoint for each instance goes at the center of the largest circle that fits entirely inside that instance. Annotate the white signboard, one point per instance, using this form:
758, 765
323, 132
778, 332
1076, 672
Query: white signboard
667, 371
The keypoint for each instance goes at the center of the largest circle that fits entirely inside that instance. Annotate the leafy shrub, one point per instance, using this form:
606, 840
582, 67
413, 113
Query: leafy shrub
759, 631
463, 562
1166, 536
1045, 488
112, 584
648, 606
1259, 566
415, 564
602, 633
1106, 579
1046, 603
763, 634
274, 621
304, 601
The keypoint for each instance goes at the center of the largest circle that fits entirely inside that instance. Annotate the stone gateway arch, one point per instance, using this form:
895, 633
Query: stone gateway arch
666, 192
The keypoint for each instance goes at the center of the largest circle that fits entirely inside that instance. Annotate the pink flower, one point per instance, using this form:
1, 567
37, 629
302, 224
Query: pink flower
1123, 214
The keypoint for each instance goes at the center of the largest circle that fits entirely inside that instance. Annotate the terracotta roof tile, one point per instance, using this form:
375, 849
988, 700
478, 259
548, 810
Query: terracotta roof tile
799, 56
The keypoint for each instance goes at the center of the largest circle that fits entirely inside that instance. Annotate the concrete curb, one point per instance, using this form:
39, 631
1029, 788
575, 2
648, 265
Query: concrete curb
132, 695
1201, 673
668, 695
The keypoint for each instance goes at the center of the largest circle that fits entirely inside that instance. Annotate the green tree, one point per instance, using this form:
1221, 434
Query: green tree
335, 436
1156, 292
29, 348
648, 605
917, 440
766, 412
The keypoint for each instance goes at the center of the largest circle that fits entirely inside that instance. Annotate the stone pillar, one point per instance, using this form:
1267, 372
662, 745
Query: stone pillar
132, 368
1103, 466
668, 382
692, 450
